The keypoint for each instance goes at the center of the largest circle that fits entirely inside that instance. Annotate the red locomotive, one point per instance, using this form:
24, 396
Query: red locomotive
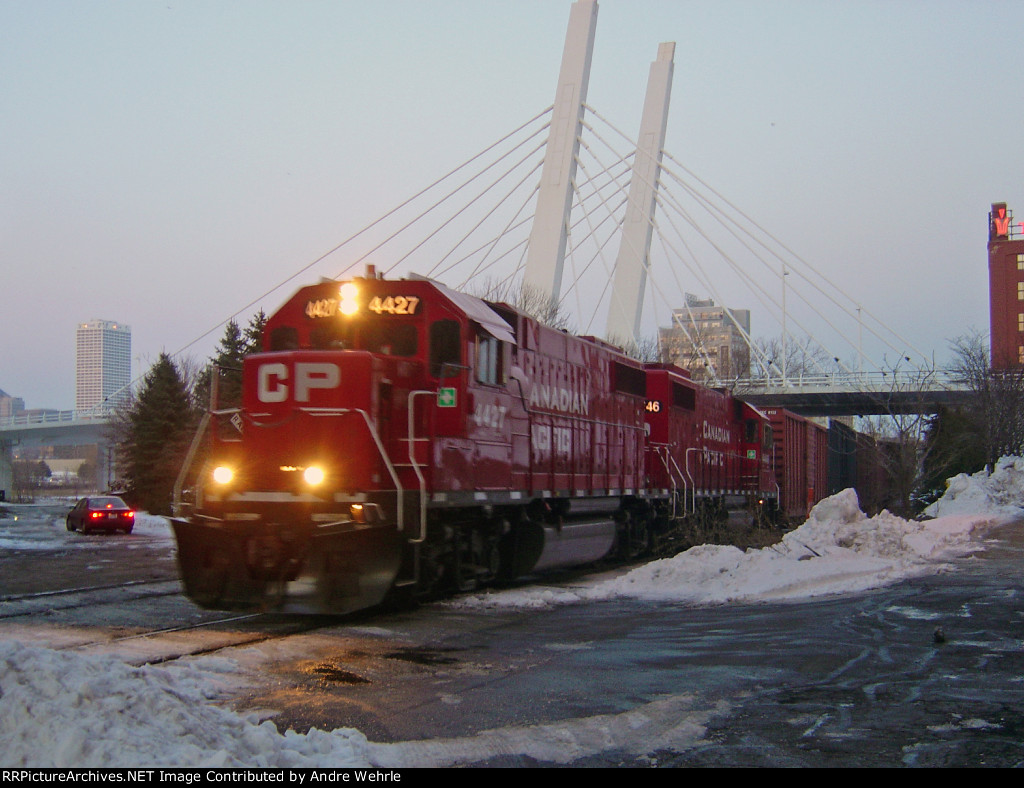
399, 435
713, 448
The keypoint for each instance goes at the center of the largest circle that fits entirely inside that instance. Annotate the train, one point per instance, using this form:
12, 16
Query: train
399, 439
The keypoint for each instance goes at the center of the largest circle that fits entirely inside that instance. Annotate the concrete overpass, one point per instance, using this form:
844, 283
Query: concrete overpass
54, 428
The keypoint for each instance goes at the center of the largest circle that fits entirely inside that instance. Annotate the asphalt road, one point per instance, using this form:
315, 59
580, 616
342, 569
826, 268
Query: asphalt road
928, 672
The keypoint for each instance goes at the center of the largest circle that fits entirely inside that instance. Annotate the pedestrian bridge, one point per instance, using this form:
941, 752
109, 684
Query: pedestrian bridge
856, 393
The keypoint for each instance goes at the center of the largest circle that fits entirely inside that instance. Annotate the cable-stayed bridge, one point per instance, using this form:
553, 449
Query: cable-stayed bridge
607, 233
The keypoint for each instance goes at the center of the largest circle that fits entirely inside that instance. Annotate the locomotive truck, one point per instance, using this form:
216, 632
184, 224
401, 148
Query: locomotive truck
397, 437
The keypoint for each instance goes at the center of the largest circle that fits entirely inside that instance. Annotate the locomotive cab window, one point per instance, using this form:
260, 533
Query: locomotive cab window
333, 334
684, 397
489, 366
284, 338
444, 348
391, 339
378, 336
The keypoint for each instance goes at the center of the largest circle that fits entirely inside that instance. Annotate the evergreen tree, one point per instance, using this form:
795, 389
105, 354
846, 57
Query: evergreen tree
155, 435
234, 346
254, 333
954, 435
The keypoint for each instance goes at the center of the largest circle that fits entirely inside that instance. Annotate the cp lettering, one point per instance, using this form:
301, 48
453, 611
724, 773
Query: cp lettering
274, 383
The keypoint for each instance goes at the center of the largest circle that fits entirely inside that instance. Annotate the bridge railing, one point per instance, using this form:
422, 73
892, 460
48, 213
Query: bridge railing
54, 417
874, 381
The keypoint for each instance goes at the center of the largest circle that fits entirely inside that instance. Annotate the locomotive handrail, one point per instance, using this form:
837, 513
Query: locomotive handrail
416, 468
679, 471
186, 466
661, 451
400, 509
690, 476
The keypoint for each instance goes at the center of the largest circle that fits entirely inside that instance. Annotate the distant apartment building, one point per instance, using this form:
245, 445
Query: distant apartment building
707, 339
103, 364
10, 406
1006, 287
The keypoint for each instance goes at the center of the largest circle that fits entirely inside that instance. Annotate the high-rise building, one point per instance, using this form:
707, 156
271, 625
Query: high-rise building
10, 406
708, 340
103, 364
1006, 287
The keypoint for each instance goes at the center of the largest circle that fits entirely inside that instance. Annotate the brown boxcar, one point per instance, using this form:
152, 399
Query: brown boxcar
800, 460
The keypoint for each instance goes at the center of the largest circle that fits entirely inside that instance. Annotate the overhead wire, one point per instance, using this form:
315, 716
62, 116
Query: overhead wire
600, 200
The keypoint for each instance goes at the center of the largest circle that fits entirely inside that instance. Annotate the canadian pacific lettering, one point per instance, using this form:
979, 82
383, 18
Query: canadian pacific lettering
560, 399
716, 433
547, 438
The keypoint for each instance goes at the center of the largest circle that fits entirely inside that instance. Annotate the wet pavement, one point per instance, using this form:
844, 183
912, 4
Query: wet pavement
928, 672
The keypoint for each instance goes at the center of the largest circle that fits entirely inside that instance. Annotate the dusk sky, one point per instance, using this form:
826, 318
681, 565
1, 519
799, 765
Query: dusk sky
164, 164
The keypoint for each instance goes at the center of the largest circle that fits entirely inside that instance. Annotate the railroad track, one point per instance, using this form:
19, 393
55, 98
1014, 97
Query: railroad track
140, 622
161, 646
47, 602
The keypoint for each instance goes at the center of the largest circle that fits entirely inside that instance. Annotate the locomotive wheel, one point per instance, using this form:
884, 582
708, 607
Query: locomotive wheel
635, 534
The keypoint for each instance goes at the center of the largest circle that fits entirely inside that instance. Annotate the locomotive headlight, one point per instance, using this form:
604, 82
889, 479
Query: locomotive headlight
313, 475
348, 303
223, 474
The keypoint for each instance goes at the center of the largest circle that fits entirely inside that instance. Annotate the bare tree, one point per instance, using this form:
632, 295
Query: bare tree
803, 356
900, 434
645, 349
997, 409
527, 299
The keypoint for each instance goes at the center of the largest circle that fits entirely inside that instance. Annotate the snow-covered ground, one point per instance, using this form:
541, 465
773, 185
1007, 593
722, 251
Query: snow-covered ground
59, 709
156, 528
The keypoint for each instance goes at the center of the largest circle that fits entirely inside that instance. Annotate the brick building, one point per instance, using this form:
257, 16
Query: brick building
1006, 287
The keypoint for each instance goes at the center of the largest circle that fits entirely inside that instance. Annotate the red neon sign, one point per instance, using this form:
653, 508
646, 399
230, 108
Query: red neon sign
1002, 221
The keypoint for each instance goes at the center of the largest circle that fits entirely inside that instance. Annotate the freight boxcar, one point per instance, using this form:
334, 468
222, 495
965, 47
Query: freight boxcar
800, 460
842, 457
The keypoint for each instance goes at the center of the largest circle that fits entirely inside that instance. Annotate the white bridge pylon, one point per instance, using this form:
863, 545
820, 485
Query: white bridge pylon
627, 293
546, 253
548, 237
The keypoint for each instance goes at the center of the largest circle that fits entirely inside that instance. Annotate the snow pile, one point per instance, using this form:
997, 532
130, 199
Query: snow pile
999, 492
839, 549
61, 709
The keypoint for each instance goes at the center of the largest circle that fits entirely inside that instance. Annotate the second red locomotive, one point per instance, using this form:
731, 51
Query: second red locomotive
399, 435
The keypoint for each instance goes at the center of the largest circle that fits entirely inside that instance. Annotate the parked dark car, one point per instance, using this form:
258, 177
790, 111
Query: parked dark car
101, 513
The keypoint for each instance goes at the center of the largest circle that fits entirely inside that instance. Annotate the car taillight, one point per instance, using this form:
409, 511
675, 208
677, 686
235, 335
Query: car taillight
94, 515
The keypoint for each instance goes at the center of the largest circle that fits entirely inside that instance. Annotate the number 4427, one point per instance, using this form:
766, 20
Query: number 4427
394, 305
